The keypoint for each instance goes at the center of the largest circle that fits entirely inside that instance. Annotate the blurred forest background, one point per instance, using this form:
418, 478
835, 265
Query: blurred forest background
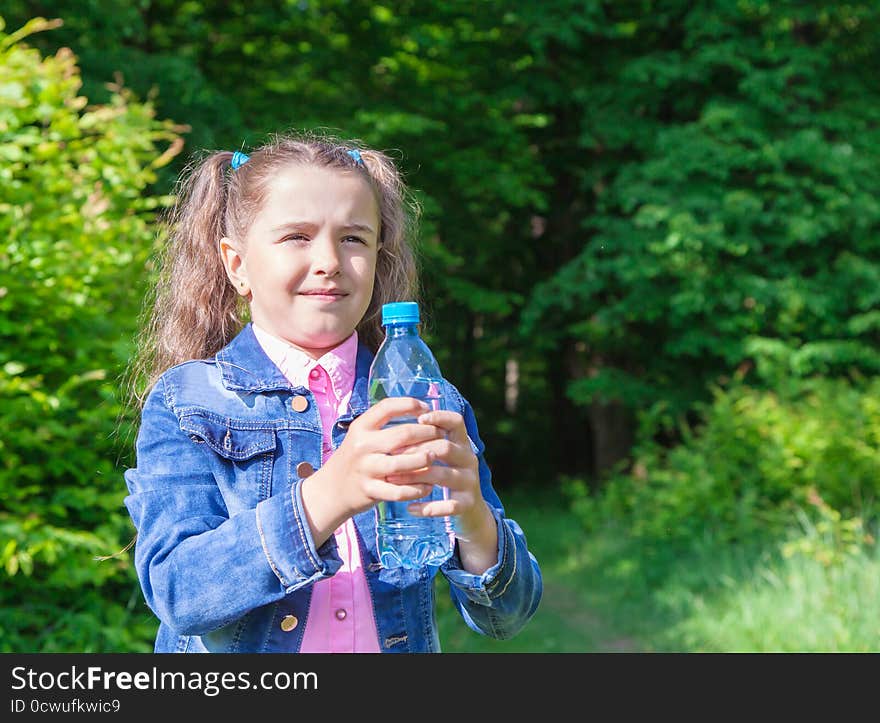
649, 248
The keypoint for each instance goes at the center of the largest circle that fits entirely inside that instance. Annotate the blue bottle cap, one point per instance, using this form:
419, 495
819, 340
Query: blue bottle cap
400, 312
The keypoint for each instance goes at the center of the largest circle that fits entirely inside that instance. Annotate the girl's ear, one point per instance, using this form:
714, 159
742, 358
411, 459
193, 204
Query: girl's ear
233, 262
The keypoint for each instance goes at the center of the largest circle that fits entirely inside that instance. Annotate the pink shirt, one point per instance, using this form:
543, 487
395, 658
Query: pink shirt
340, 618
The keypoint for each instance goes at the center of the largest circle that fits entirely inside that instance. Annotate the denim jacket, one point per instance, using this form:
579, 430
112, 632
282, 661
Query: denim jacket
224, 553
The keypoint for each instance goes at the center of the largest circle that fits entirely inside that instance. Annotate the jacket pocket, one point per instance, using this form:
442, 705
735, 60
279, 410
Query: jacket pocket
240, 454
229, 438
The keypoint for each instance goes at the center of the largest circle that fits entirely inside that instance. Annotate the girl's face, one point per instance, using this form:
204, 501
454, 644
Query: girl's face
309, 259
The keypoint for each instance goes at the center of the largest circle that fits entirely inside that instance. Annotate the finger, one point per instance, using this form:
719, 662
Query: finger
381, 490
407, 436
384, 411
434, 508
446, 451
383, 465
425, 476
451, 422
451, 478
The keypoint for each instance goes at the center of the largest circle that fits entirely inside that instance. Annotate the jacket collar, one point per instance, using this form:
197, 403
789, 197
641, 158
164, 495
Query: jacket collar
245, 367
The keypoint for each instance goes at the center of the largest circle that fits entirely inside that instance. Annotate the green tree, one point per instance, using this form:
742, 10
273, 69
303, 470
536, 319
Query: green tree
75, 233
725, 158
624, 202
434, 83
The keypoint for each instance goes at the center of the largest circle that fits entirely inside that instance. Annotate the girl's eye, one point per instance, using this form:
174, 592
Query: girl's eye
296, 238
354, 239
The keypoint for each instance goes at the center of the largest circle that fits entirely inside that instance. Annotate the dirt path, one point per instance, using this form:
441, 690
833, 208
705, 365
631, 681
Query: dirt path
584, 630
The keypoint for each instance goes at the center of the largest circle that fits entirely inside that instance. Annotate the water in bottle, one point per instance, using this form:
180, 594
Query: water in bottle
405, 367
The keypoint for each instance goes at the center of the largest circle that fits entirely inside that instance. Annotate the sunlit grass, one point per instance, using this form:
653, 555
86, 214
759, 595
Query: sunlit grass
604, 593
791, 605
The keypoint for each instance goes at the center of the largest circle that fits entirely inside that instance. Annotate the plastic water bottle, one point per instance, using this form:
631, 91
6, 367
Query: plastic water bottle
405, 367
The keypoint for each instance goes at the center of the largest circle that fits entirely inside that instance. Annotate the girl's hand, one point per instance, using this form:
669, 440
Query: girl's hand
476, 529
359, 472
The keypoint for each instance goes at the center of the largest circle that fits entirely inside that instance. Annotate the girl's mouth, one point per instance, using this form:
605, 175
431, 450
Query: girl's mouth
324, 294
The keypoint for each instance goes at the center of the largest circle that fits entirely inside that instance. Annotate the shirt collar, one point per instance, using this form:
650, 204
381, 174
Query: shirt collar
339, 362
245, 367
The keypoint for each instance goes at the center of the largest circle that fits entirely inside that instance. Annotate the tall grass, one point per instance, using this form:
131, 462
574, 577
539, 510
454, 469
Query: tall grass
818, 590
816, 596
798, 605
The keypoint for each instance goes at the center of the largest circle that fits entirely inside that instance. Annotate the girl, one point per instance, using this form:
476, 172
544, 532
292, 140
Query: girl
259, 462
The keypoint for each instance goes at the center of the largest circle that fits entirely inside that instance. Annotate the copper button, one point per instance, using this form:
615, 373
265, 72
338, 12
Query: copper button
341, 614
299, 403
304, 469
289, 622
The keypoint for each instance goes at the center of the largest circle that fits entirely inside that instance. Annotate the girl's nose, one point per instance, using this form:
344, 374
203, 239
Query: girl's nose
326, 259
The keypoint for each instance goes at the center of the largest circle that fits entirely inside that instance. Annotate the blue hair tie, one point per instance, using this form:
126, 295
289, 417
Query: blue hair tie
239, 159
356, 154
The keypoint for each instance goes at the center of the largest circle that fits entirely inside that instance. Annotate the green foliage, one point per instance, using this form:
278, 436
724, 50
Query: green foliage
630, 200
795, 604
730, 153
634, 202
440, 86
831, 539
75, 233
757, 461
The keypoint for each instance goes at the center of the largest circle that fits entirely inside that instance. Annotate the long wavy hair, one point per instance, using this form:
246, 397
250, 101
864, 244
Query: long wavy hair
193, 310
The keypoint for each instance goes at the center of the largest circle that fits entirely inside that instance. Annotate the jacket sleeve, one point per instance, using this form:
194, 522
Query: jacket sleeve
199, 566
503, 599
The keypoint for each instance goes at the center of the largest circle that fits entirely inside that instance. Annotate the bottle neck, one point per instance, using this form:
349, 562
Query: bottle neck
393, 331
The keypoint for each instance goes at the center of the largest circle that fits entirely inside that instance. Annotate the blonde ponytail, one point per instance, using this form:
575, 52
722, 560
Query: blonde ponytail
193, 311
